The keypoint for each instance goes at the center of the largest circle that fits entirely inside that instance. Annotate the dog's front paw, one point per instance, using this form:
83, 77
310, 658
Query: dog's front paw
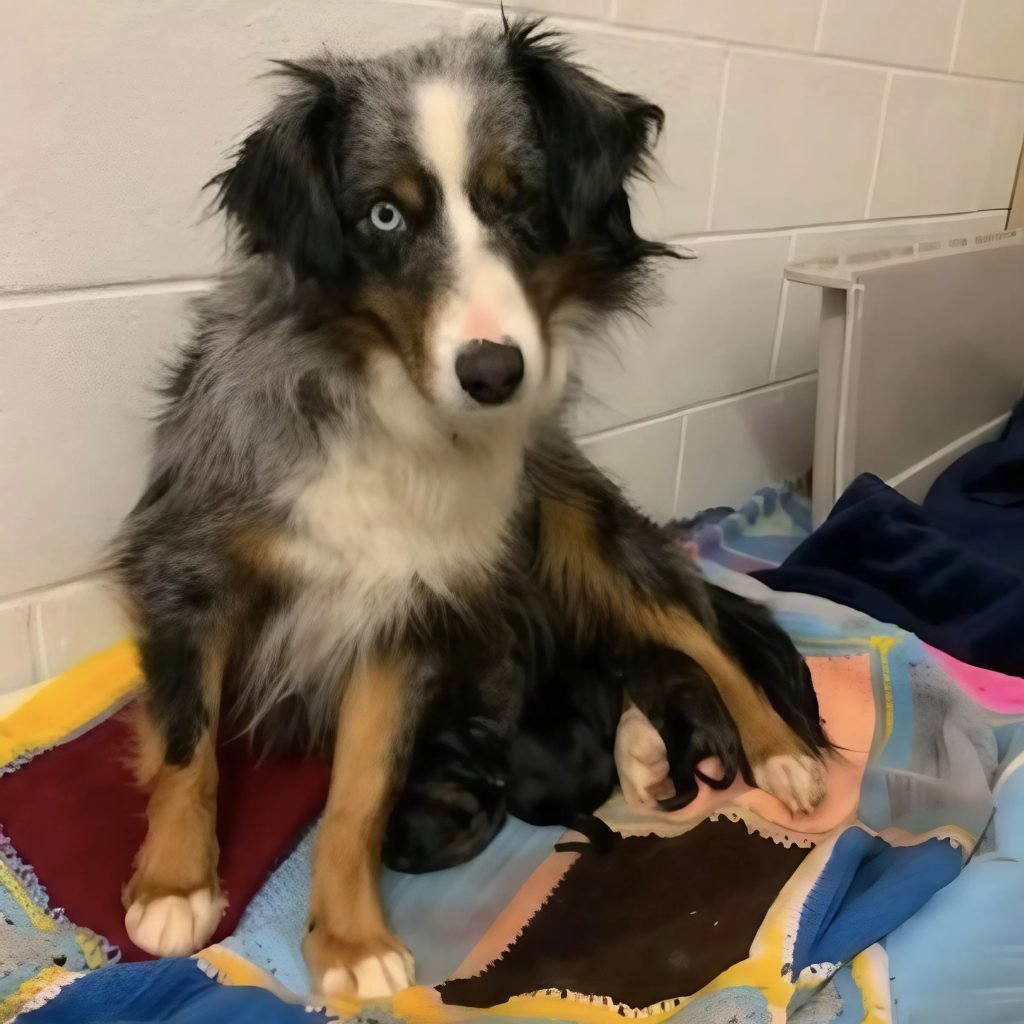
798, 780
174, 925
641, 760
370, 969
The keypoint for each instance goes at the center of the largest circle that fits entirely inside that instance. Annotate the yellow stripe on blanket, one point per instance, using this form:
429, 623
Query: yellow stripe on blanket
70, 701
36, 991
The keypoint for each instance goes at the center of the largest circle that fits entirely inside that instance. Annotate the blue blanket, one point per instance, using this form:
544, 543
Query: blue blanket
950, 570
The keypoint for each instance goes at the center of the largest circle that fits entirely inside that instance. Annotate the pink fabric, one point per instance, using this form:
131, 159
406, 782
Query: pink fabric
993, 690
847, 707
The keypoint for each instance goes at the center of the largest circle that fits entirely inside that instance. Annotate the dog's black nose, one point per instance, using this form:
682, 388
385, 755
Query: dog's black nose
489, 371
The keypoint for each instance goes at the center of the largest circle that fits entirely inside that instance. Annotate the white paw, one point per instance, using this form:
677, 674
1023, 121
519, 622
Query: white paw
174, 925
641, 760
798, 780
375, 977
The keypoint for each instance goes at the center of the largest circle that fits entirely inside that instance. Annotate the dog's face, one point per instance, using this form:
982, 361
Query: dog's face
454, 206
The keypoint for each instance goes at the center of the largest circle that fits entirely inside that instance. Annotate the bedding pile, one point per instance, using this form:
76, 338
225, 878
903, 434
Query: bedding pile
950, 570
897, 900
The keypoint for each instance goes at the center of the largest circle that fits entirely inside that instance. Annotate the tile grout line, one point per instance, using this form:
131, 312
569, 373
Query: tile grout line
172, 286
819, 31
662, 35
717, 150
827, 227
34, 594
37, 643
120, 290
873, 181
679, 466
955, 49
773, 366
686, 410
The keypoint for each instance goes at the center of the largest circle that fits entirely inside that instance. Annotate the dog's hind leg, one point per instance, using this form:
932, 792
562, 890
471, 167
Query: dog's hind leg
349, 949
173, 901
608, 568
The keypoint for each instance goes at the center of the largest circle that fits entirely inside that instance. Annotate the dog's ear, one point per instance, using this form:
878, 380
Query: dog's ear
282, 191
596, 139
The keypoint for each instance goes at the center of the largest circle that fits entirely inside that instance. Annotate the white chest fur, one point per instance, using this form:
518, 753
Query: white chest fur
380, 521
373, 526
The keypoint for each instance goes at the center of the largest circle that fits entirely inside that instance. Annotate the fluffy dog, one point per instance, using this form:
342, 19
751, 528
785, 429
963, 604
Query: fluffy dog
359, 490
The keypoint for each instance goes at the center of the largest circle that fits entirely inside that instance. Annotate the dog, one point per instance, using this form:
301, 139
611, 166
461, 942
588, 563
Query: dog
359, 484
470, 767
558, 764
678, 718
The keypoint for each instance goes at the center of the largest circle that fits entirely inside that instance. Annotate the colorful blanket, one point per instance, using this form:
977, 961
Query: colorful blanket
898, 900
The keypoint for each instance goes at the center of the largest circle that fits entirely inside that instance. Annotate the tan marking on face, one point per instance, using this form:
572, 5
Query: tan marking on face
493, 175
408, 190
554, 281
390, 317
346, 918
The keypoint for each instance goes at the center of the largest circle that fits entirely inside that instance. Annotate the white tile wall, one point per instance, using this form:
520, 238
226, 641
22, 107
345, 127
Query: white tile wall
1007, 137
74, 395
732, 447
935, 146
786, 23
797, 142
711, 336
686, 79
16, 668
72, 622
911, 33
116, 112
992, 39
574, 8
644, 460
124, 109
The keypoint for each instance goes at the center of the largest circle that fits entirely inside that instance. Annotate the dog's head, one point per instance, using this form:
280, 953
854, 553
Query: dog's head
457, 205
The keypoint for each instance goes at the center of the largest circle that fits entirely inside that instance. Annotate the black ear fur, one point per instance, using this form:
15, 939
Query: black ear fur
283, 187
596, 139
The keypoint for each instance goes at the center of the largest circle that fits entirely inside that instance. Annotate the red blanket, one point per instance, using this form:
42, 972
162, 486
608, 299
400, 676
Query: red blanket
75, 815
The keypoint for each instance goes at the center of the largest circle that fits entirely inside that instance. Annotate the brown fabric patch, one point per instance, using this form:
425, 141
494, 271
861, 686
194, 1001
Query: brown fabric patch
654, 919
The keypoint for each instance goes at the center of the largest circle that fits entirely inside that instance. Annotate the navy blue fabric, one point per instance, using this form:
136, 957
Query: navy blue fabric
950, 571
173, 991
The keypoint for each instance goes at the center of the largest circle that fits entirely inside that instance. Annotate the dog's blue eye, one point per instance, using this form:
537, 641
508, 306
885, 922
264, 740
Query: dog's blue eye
386, 216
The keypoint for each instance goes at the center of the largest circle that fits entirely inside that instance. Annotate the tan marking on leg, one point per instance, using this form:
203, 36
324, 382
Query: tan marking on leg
583, 584
148, 755
180, 851
349, 948
173, 900
594, 595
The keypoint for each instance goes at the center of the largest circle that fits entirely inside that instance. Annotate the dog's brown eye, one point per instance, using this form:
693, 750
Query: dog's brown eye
385, 216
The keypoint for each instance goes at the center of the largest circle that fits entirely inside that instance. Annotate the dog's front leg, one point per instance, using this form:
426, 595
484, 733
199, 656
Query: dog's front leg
173, 900
349, 949
609, 569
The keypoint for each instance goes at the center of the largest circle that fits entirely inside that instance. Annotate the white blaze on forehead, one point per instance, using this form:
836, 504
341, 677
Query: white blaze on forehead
486, 298
443, 112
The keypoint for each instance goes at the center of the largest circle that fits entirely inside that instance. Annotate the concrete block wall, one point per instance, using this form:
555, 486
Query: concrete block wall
794, 127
